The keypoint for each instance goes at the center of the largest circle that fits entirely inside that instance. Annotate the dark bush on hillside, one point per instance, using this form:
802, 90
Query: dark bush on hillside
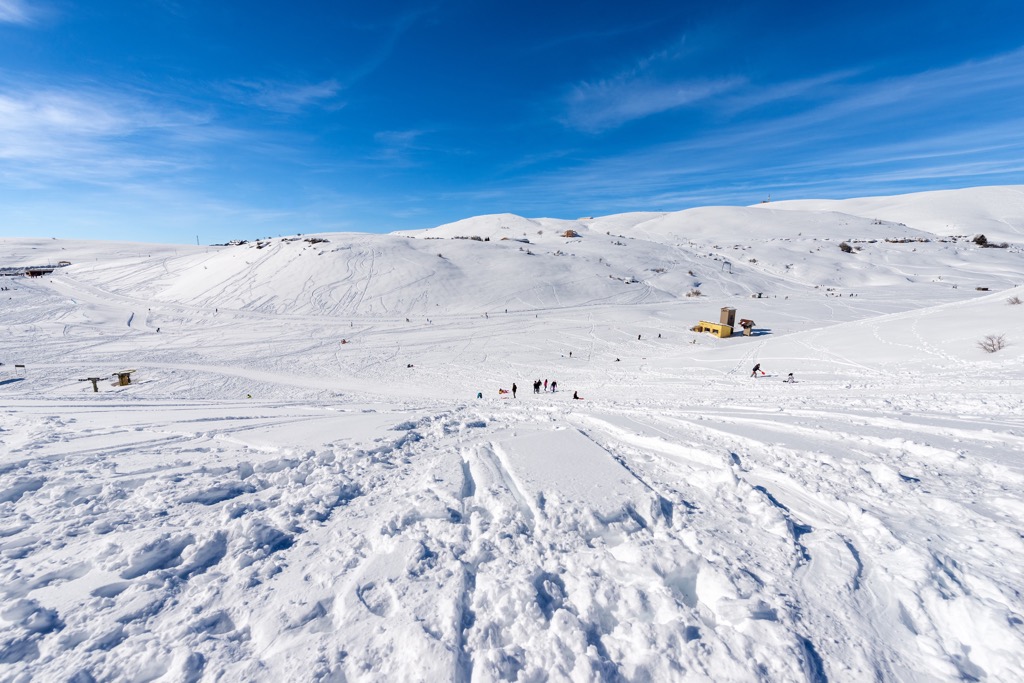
983, 242
846, 248
992, 343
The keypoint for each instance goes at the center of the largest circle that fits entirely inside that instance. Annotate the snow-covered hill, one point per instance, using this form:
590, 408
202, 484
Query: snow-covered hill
492, 263
301, 483
996, 212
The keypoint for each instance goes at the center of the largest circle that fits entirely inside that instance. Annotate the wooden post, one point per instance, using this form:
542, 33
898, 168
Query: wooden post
94, 380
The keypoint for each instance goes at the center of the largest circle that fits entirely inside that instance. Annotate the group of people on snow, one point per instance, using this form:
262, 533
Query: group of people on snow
544, 384
537, 386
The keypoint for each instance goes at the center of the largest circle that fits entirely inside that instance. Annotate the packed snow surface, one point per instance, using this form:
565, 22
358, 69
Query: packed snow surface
300, 483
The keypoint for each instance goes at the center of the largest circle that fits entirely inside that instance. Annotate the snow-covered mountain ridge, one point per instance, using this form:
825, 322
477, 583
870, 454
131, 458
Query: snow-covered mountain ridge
490, 263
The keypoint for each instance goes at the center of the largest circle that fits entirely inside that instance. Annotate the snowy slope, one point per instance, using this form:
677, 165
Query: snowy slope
265, 502
51, 251
996, 212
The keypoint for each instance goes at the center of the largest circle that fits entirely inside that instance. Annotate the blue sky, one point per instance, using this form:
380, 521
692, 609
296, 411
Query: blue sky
164, 120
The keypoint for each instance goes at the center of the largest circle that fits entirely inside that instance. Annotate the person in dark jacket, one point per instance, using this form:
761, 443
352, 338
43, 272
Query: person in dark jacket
514, 389
757, 369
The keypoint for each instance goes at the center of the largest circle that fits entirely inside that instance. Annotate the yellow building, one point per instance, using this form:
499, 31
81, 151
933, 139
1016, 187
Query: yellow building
721, 329
716, 329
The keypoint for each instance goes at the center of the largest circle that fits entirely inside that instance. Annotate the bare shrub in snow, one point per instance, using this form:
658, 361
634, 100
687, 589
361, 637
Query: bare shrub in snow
846, 248
992, 343
693, 292
1013, 301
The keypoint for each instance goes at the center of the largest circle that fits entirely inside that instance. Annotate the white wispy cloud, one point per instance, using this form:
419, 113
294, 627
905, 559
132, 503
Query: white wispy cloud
643, 88
91, 134
958, 125
397, 149
753, 95
398, 138
600, 106
16, 12
286, 98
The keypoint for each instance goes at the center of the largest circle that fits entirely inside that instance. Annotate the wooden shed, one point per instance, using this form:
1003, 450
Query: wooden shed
124, 377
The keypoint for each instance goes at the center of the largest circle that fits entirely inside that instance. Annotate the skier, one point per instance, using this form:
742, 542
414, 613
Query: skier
554, 385
576, 397
757, 368
789, 378
514, 387
545, 385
